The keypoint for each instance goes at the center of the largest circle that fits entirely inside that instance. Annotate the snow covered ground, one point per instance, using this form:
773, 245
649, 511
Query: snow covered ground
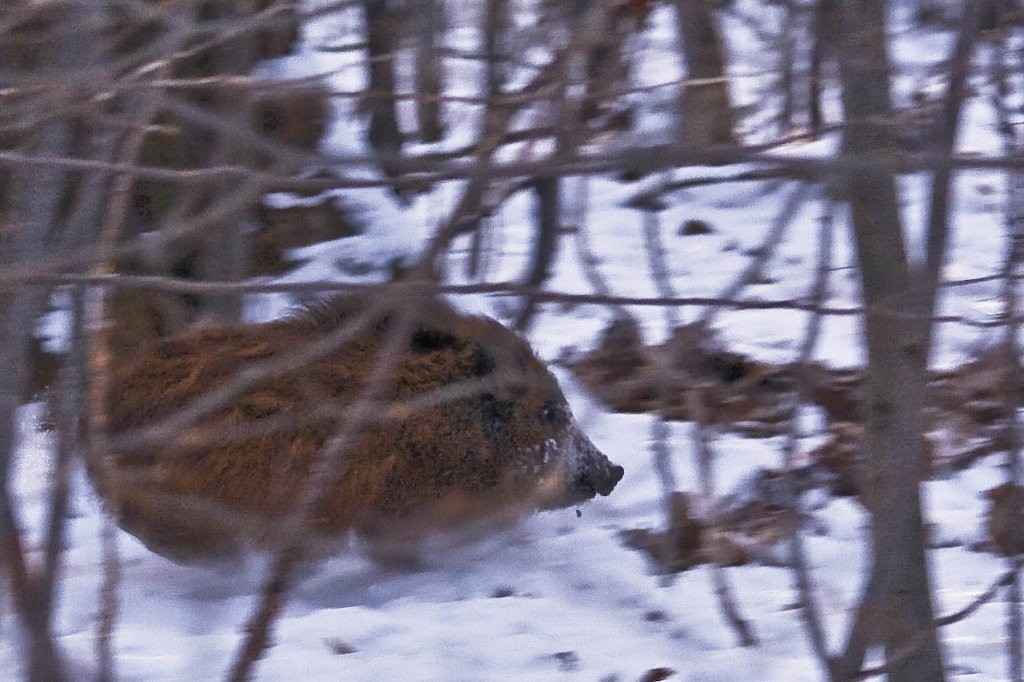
560, 597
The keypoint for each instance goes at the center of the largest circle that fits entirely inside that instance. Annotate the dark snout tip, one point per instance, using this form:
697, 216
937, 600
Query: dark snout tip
614, 476
596, 481
604, 481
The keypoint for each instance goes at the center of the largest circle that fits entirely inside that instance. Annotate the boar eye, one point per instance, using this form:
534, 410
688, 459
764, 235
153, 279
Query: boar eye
553, 414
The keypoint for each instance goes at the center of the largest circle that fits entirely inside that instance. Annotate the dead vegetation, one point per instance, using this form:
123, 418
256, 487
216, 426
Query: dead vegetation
967, 415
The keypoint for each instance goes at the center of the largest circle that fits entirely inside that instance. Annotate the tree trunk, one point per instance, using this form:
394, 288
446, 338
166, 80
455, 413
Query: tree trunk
32, 208
896, 609
824, 23
548, 217
225, 254
430, 26
705, 107
385, 137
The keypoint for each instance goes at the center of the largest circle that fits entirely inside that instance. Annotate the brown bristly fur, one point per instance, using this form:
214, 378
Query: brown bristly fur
446, 460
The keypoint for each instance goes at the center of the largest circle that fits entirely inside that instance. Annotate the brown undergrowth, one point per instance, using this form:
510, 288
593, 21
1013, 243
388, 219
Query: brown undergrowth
967, 417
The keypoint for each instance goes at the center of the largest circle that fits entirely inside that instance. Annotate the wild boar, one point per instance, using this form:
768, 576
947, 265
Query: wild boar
221, 486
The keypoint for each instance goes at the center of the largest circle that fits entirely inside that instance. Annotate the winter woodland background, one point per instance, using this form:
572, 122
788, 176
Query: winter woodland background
769, 247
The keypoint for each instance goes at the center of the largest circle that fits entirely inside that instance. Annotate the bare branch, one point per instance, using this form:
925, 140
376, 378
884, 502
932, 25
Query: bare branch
328, 468
810, 611
754, 271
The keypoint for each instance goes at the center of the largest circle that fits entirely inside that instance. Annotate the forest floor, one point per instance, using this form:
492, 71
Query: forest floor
567, 596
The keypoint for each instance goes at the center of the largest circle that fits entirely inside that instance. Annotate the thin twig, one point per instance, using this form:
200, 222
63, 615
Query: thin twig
754, 271
656, 262
329, 466
106, 620
99, 361
810, 612
702, 447
43, 662
661, 451
659, 192
914, 643
1005, 580
69, 402
216, 399
578, 212
705, 456
203, 437
1014, 218
497, 116
34, 199
926, 279
643, 158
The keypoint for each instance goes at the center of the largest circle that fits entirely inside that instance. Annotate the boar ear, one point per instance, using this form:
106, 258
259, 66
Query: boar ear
484, 362
492, 364
427, 339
